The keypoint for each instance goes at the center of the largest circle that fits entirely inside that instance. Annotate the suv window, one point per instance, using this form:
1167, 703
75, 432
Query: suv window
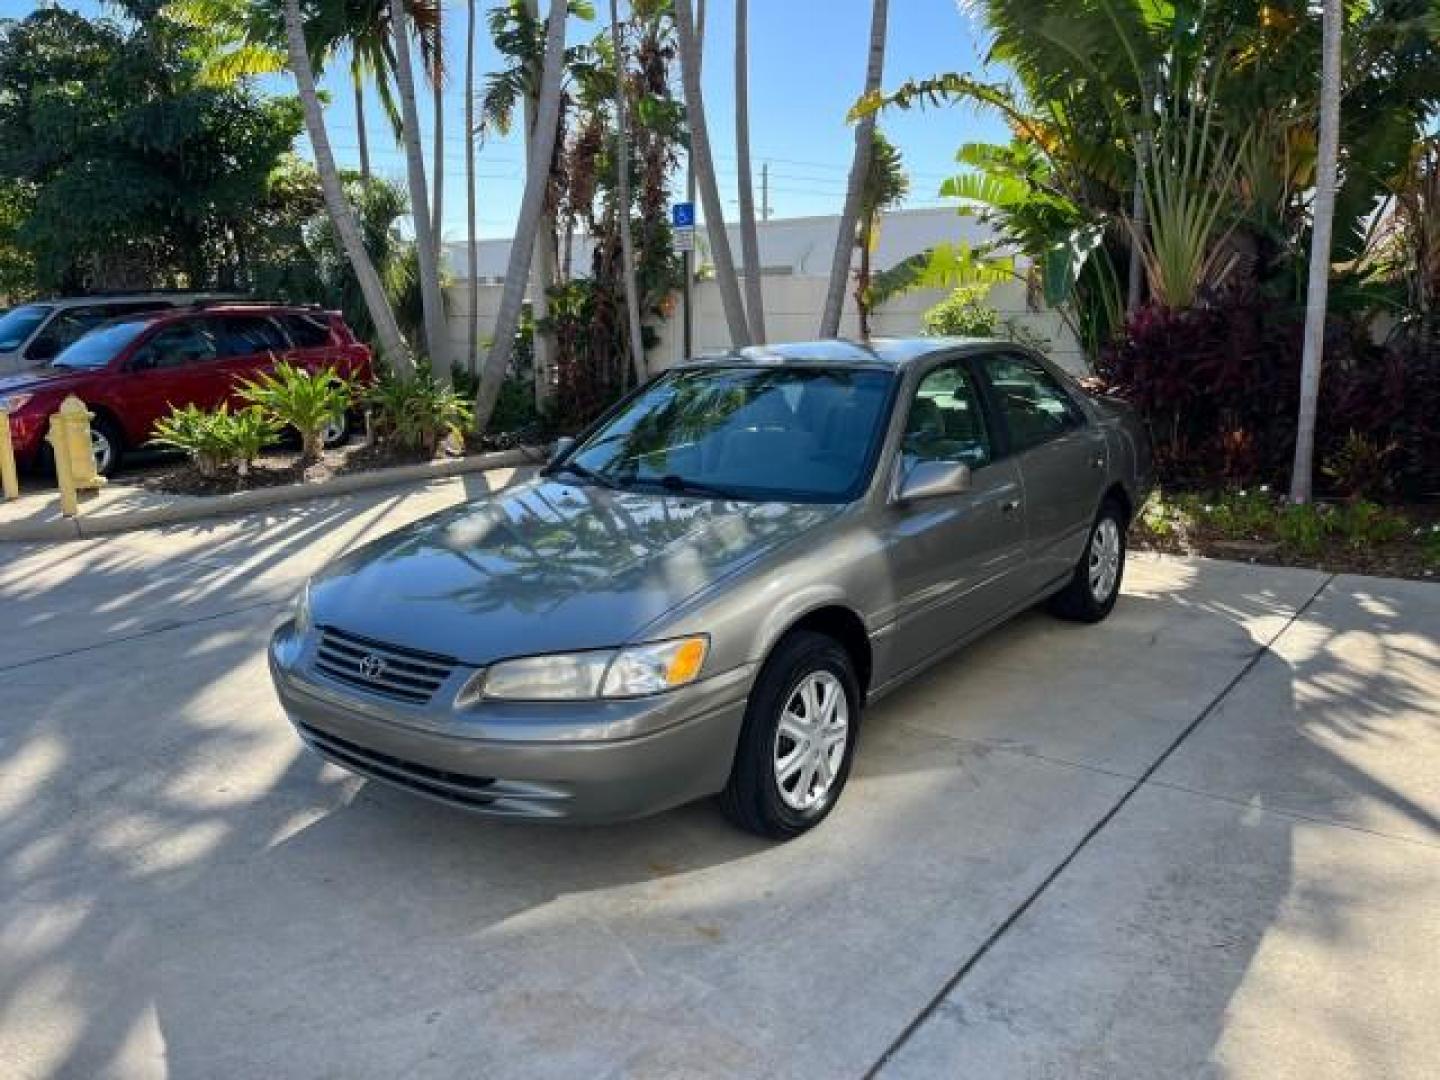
307, 331
945, 421
66, 327
177, 345
1035, 406
248, 335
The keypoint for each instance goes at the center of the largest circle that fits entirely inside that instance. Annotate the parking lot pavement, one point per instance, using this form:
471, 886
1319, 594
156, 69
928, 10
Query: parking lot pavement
1043, 866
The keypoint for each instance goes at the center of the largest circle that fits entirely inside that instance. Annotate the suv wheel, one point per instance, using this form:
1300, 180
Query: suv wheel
797, 741
1095, 585
106, 444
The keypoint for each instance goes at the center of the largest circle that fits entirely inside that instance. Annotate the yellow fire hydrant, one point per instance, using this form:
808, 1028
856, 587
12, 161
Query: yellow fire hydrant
69, 437
9, 476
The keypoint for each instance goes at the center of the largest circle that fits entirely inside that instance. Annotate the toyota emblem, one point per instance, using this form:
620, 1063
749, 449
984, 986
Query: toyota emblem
372, 667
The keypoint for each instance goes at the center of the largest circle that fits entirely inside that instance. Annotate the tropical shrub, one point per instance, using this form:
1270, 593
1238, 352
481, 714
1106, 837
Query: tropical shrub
1218, 388
964, 313
307, 401
416, 412
217, 440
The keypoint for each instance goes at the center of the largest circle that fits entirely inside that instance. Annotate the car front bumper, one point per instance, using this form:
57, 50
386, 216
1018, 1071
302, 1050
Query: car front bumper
590, 762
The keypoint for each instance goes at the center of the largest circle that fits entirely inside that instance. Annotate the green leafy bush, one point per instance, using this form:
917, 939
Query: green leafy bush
308, 401
217, 440
963, 313
416, 412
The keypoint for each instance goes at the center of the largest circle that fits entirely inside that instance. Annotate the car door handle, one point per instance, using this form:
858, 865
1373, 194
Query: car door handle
1009, 506
1098, 461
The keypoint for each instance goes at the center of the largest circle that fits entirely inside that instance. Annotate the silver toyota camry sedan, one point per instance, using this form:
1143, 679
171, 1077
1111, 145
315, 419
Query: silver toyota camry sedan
702, 593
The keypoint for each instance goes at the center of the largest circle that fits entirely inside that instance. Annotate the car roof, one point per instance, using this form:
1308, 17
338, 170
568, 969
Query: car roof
174, 297
885, 353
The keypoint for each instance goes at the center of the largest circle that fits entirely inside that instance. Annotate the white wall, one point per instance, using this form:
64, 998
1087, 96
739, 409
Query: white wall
792, 313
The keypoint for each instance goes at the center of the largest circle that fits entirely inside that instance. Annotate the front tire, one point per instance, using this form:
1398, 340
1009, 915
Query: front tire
1095, 585
798, 739
107, 445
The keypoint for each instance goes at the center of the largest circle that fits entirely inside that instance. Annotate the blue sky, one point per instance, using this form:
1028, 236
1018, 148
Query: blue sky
807, 61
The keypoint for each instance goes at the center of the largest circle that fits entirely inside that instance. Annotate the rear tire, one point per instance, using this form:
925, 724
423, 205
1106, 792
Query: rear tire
798, 739
1095, 586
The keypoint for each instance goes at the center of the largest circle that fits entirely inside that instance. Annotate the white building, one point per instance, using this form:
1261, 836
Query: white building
795, 255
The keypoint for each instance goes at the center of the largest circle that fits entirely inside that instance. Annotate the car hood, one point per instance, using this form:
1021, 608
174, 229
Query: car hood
547, 566
41, 378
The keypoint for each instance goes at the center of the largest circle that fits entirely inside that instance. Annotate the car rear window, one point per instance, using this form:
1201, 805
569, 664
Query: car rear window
307, 331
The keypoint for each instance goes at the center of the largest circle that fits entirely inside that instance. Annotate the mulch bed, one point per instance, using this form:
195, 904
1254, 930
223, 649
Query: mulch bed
176, 476
1404, 557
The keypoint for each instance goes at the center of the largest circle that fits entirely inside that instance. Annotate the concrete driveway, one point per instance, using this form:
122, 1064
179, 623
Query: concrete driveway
1201, 839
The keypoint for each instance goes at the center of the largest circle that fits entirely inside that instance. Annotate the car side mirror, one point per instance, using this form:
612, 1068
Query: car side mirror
931, 479
563, 446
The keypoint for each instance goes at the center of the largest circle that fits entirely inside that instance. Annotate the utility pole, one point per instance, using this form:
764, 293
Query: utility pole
765, 191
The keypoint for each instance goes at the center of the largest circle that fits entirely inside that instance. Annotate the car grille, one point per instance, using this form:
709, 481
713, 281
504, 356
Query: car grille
472, 792
391, 671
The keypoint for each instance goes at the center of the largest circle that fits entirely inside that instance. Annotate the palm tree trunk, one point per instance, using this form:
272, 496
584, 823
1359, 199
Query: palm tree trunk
749, 240
1139, 223
862, 277
392, 346
622, 210
532, 206
437, 204
542, 259
859, 167
362, 136
436, 336
472, 250
705, 177
1316, 295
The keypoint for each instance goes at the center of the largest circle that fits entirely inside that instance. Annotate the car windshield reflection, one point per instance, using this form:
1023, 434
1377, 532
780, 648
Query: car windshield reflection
794, 434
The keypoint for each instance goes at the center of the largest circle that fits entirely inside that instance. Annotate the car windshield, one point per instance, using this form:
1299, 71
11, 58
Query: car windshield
101, 345
796, 434
19, 323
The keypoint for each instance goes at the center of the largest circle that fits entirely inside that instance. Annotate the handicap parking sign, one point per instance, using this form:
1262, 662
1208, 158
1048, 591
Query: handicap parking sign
682, 215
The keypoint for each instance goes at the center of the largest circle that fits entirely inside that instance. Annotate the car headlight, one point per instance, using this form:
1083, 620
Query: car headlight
13, 403
632, 672
303, 620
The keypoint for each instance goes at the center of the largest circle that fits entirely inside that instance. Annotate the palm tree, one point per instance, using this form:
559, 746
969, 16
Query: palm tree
532, 205
859, 167
704, 167
749, 241
472, 260
886, 186
392, 345
1316, 295
362, 134
436, 332
436, 70
622, 209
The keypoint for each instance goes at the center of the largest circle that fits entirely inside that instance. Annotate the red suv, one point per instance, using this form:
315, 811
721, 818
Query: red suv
131, 371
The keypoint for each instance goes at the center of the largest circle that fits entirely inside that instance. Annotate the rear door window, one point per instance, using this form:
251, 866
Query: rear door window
307, 331
248, 335
1031, 401
178, 345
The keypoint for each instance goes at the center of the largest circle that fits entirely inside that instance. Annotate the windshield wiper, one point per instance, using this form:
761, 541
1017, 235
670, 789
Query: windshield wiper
585, 474
672, 482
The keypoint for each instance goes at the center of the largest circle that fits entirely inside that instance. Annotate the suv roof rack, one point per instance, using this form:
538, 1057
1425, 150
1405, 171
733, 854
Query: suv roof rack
221, 301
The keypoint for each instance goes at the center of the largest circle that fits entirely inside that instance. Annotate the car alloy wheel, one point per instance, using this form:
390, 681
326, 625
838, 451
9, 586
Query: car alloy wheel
103, 449
810, 740
1104, 565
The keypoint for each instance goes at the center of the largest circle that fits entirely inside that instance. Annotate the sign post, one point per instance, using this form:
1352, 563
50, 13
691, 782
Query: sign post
682, 223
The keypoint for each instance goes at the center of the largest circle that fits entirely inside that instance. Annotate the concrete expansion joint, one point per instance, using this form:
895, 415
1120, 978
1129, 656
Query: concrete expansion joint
1260, 651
